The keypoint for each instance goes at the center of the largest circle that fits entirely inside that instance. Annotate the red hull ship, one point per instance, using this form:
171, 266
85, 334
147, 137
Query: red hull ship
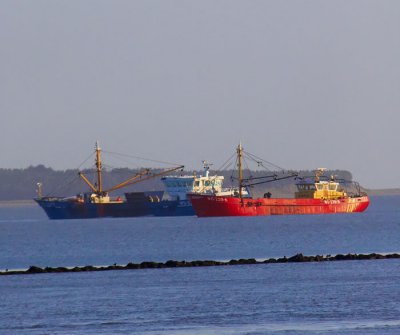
205, 205
317, 197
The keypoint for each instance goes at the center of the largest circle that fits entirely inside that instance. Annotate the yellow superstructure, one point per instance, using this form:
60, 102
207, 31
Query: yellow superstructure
328, 190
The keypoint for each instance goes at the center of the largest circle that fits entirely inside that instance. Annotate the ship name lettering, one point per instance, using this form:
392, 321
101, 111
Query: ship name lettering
332, 202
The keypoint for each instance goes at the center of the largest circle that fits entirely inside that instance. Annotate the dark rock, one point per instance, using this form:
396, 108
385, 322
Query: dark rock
393, 256
363, 257
35, 269
88, 268
376, 256
149, 265
319, 258
339, 257
132, 266
56, 270
270, 261
296, 258
248, 261
208, 263
171, 264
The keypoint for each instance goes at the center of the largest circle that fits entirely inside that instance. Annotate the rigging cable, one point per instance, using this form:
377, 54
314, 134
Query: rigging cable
141, 158
258, 159
69, 181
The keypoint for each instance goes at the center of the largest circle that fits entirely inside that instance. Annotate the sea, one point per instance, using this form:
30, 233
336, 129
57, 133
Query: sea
346, 297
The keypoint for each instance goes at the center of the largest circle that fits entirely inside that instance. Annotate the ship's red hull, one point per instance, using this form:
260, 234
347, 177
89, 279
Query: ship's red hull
206, 205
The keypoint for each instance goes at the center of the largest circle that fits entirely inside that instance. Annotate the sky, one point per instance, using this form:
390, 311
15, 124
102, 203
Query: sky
303, 84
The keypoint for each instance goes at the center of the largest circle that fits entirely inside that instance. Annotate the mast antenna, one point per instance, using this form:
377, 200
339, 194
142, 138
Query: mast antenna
99, 168
206, 166
240, 154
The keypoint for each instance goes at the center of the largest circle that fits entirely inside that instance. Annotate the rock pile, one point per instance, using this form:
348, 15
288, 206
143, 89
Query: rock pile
299, 258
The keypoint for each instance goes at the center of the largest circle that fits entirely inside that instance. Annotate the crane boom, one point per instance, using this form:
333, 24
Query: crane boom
156, 175
94, 189
128, 181
97, 188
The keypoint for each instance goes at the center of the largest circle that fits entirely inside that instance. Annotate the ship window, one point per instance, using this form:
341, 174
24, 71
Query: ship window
332, 187
319, 187
196, 183
207, 183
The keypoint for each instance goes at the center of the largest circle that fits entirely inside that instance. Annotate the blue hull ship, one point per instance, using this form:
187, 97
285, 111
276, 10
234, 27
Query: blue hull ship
98, 203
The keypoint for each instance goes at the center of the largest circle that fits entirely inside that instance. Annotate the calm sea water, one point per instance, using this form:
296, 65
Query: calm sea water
357, 297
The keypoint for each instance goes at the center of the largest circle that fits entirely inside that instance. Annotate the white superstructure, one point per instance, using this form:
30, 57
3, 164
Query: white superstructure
178, 186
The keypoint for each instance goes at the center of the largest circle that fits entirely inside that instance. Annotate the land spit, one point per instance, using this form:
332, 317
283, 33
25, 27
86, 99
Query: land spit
298, 258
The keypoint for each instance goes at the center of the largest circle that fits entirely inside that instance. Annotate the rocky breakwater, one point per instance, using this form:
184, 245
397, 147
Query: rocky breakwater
298, 258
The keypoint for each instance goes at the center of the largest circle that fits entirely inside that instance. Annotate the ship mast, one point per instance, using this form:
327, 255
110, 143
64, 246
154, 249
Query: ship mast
98, 168
239, 155
97, 188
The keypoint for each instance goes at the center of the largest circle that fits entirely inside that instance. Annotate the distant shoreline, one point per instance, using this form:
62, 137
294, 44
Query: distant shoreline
388, 191
17, 203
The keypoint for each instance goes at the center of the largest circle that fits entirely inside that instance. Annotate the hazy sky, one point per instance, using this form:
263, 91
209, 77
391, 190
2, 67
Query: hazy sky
303, 84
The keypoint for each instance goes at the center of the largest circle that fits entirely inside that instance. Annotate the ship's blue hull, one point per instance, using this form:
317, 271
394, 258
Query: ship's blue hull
57, 209
156, 207
171, 208
60, 210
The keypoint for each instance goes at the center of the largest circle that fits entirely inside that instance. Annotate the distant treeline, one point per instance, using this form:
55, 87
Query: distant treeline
21, 184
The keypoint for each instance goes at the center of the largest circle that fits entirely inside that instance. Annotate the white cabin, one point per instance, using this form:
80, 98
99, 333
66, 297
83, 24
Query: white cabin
178, 186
